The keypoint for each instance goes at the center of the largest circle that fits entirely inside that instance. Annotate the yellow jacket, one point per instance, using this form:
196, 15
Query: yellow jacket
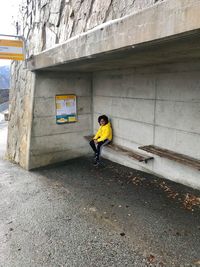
104, 132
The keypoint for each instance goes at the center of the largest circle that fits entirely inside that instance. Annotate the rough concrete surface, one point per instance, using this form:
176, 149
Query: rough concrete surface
133, 33
74, 214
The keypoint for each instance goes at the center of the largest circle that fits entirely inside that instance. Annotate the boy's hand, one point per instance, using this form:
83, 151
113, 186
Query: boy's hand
95, 140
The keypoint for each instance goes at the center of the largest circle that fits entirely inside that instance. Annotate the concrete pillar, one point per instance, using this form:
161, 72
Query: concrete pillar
51, 142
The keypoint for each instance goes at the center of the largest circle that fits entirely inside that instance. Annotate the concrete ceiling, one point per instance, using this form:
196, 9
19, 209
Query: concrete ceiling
177, 49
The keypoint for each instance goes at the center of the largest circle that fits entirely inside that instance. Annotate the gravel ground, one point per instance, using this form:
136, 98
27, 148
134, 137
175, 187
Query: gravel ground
74, 214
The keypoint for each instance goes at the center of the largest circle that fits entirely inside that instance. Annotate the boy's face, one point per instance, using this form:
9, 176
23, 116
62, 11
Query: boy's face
102, 122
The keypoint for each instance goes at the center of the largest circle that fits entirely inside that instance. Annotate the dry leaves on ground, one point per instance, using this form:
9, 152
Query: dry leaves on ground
170, 192
151, 258
190, 201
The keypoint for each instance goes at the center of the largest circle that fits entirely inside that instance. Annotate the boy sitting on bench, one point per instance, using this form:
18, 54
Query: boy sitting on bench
102, 137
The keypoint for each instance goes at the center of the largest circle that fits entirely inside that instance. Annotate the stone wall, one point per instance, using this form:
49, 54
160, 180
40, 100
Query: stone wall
20, 114
50, 22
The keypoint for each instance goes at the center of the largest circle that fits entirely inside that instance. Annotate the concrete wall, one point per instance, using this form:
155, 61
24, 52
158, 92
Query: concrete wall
155, 105
51, 142
43, 24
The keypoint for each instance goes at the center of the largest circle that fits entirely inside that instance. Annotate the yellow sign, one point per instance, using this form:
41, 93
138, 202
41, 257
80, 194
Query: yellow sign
11, 49
65, 109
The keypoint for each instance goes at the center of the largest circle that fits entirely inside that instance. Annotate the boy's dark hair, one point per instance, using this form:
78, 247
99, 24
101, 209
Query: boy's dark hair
104, 117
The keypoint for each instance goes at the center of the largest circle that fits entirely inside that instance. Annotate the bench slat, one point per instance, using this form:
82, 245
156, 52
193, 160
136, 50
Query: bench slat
130, 153
186, 160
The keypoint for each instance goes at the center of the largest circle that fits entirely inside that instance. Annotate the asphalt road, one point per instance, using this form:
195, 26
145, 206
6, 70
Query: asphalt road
74, 214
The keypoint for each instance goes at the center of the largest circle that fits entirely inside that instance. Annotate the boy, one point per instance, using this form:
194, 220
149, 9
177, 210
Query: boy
102, 137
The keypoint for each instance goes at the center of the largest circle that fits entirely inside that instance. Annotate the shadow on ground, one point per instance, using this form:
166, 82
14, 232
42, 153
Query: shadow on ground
159, 218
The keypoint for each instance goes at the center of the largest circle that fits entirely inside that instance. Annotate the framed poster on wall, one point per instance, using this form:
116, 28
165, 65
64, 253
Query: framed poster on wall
66, 110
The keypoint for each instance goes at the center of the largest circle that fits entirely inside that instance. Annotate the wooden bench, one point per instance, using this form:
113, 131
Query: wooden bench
171, 155
130, 153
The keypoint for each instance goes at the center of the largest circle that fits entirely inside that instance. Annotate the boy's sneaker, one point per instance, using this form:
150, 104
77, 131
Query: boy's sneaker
96, 163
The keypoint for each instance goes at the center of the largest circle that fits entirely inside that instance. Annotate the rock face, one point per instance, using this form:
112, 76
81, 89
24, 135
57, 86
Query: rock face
47, 23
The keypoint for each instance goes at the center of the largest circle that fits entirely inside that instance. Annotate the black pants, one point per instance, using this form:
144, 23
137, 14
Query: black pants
98, 147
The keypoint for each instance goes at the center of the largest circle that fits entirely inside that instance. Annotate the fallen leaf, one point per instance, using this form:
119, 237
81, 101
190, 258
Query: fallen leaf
190, 201
151, 258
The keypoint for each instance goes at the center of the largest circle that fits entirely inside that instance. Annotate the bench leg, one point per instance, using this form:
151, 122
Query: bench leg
146, 160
